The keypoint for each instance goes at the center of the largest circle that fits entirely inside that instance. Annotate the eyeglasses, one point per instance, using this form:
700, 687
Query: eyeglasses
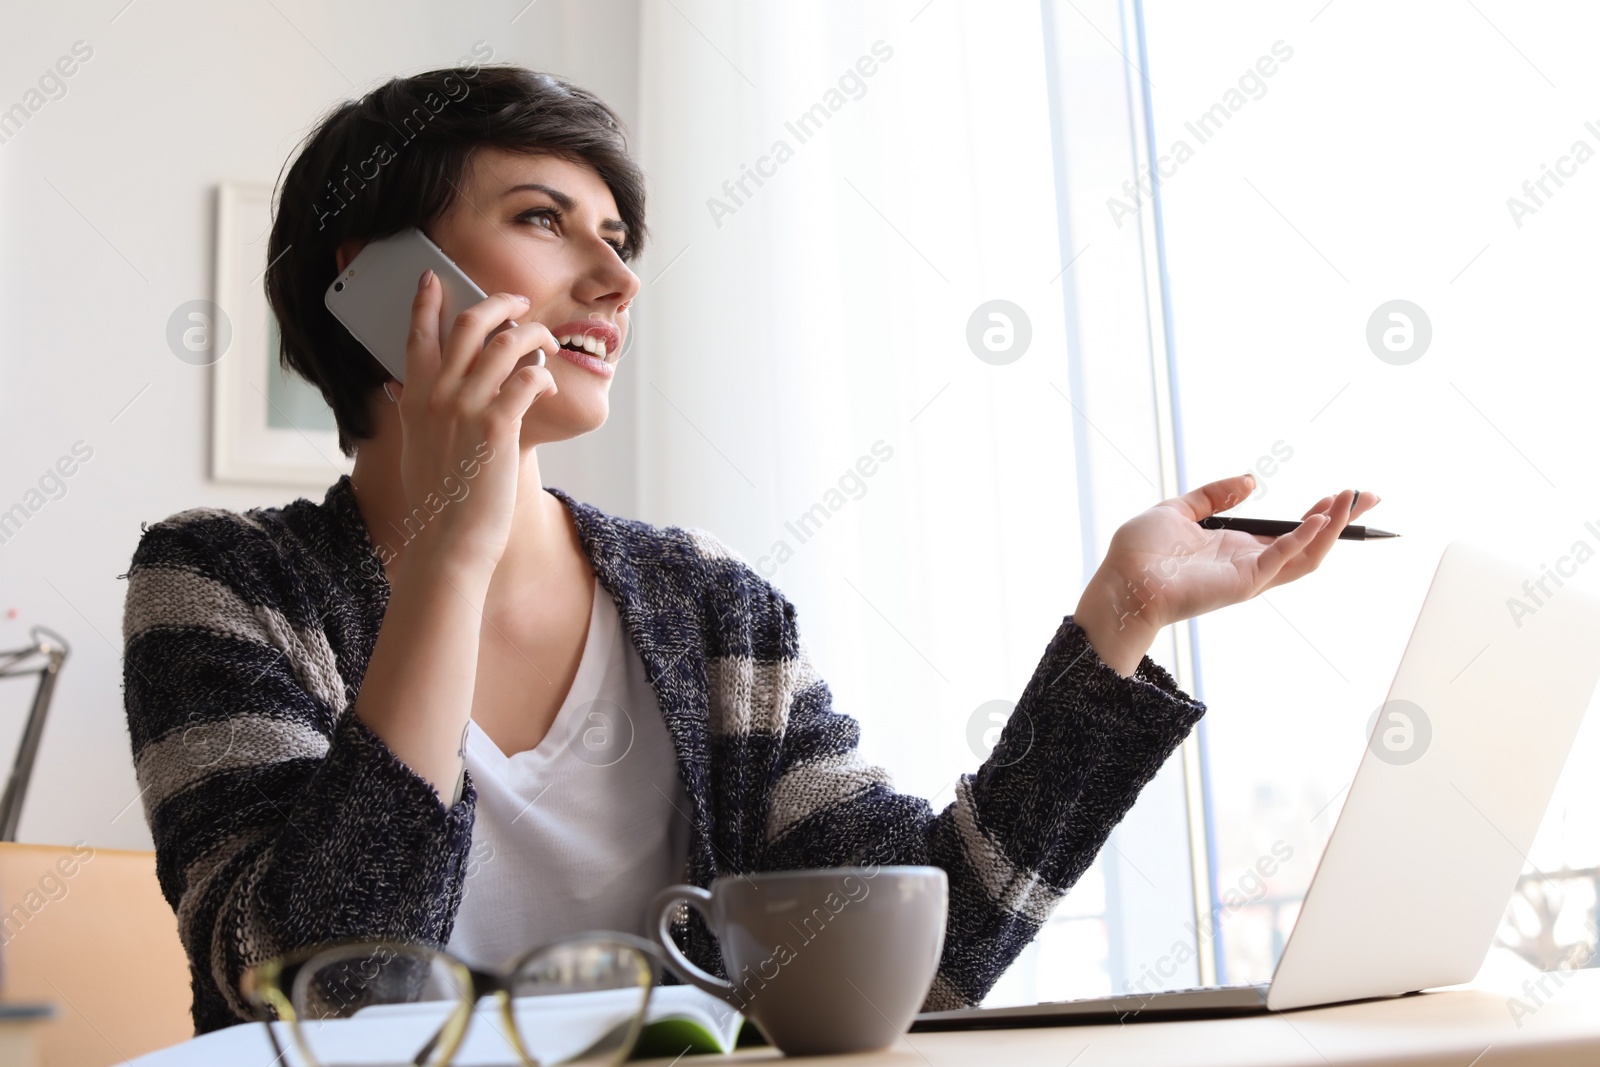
578, 1000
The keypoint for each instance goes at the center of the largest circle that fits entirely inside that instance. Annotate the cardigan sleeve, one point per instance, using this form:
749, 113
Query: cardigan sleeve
1079, 746
279, 819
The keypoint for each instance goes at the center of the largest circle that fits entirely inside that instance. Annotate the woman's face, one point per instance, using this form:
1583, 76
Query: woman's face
550, 230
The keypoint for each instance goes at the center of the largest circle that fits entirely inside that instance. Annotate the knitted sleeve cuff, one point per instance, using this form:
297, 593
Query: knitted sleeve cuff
1081, 743
386, 856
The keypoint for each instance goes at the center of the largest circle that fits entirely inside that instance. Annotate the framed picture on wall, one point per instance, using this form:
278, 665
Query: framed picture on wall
267, 425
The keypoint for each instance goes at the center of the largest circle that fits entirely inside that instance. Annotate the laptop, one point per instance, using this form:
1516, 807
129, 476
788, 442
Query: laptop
1455, 779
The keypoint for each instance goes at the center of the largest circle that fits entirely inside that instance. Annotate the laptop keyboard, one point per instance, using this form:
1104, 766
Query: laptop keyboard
1201, 1002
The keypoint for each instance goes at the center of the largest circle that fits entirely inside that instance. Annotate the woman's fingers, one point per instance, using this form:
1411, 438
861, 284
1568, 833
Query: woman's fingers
1306, 561
1319, 508
517, 394
422, 341
489, 371
1285, 550
1338, 517
1213, 497
1365, 503
471, 329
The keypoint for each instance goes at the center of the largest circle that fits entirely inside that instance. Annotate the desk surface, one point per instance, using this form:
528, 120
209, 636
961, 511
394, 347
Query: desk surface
1463, 1027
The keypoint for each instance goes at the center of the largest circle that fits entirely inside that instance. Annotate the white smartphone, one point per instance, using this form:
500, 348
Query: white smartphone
372, 296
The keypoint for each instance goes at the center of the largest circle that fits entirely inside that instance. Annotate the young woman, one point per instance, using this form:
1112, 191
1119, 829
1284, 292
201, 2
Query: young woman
451, 704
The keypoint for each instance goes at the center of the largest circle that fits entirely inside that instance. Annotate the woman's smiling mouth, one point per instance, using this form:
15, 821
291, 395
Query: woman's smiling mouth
588, 362
592, 344
595, 336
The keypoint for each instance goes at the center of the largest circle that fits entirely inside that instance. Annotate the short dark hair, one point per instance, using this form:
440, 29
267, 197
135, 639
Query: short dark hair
395, 158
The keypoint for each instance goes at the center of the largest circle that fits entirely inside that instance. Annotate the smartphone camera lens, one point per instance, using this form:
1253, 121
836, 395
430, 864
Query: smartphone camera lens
338, 287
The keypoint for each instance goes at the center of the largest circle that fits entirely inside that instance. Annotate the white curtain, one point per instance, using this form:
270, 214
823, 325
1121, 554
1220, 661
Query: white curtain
813, 326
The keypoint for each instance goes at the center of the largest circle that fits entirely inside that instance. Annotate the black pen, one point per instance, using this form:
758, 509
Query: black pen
1277, 527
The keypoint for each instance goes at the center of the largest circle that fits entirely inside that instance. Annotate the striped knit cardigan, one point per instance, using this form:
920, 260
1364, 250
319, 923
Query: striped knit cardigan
281, 820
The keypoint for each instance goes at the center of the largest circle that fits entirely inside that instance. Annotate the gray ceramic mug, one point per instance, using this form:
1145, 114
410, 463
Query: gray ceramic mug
830, 960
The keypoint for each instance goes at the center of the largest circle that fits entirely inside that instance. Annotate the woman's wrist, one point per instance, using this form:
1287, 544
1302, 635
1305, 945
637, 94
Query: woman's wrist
1120, 632
427, 564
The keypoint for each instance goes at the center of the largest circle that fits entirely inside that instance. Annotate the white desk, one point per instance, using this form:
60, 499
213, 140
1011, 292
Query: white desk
1450, 1028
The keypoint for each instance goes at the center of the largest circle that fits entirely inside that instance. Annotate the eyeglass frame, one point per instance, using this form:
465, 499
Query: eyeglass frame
262, 986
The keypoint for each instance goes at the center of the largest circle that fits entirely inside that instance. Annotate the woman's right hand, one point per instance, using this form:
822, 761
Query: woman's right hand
461, 412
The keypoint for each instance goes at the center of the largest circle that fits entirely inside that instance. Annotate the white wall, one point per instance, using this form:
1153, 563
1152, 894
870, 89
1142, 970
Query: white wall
106, 225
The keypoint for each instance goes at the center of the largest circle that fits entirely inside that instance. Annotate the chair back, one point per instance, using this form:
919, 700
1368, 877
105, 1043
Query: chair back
88, 930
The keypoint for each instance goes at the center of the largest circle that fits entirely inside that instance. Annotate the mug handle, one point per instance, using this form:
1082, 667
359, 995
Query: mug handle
658, 925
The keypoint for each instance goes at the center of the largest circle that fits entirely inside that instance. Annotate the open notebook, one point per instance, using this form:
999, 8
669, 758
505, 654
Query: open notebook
681, 1019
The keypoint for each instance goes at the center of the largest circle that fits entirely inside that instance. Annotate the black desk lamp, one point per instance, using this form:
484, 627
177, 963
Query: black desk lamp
54, 650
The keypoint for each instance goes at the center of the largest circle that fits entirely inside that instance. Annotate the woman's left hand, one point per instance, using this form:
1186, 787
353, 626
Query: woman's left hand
1163, 567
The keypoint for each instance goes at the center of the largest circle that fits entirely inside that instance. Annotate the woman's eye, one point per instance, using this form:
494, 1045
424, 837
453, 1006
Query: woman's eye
552, 215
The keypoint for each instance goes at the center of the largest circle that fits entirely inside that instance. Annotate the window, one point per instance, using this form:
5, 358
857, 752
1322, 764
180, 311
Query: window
1316, 165
872, 186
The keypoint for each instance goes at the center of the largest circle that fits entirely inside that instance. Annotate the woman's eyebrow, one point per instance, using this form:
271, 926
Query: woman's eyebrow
566, 203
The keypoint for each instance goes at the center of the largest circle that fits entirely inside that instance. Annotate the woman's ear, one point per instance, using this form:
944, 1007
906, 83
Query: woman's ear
348, 251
